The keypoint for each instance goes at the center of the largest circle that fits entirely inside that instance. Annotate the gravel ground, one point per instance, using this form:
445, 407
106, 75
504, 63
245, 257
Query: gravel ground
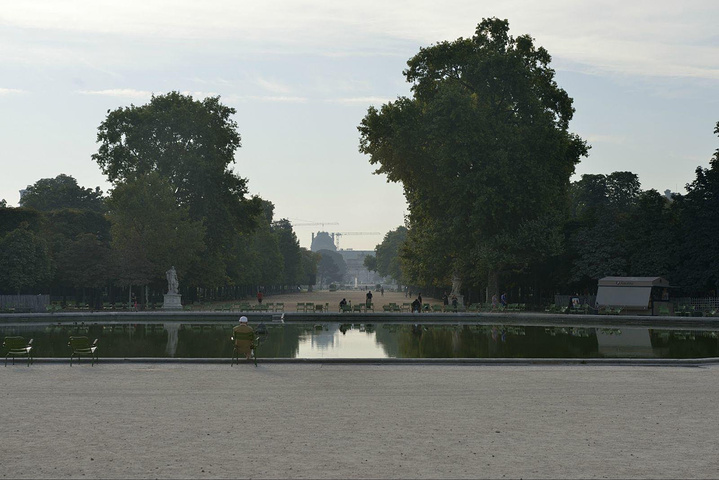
358, 421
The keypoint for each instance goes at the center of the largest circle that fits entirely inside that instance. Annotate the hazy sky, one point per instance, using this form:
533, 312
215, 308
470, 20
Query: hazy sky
644, 76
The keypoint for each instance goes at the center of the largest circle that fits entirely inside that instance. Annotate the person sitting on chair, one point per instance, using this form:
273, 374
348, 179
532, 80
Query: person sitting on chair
244, 343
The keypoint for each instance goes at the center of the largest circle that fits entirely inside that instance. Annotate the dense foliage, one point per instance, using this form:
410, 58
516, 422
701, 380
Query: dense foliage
61, 192
175, 202
483, 152
191, 144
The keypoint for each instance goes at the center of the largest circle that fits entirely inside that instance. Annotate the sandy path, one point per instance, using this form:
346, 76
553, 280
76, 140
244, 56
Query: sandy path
333, 298
357, 421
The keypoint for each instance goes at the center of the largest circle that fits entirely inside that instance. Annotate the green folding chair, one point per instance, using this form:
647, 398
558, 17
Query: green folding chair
81, 347
18, 347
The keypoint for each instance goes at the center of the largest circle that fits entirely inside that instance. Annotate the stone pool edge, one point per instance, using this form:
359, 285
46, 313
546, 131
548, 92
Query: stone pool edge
635, 362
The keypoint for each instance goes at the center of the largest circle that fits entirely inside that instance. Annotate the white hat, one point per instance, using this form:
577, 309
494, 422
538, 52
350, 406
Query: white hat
243, 319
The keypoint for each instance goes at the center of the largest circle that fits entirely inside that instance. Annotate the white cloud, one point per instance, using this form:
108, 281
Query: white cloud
272, 85
266, 98
641, 37
11, 91
118, 92
361, 101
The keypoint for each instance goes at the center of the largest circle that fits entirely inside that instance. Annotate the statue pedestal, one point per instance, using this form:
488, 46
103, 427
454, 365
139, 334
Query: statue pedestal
172, 301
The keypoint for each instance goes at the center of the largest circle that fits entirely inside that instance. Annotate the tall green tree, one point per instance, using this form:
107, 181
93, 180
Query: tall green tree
151, 233
483, 152
25, 262
309, 264
257, 258
13, 218
79, 242
331, 267
389, 262
698, 210
62, 192
192, 144
289, 247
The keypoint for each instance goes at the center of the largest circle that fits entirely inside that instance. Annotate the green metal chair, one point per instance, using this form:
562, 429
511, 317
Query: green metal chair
81, 347
18, 347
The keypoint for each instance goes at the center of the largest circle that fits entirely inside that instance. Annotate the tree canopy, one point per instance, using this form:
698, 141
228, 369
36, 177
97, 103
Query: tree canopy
482, 150
388, 260
62, 192
192, 144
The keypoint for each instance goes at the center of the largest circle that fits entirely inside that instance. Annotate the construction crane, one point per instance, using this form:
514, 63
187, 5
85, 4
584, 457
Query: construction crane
311, 224
336, 236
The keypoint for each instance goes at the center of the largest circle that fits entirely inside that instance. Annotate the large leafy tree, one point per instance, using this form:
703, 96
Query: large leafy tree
256, 258
331, 267
79, 242
62, 192
192, 144
24, 261
308, 271
698, 211
388, 260
289, 247
151, 233
483, 152
12, 218
618, 229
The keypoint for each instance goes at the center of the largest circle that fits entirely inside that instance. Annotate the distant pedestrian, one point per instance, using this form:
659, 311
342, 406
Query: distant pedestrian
368, 301
259, 296
381, 291
416, 306
454, 301
503, 299
445, 299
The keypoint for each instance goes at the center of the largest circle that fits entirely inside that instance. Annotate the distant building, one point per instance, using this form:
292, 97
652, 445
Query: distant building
357, 274
323, 241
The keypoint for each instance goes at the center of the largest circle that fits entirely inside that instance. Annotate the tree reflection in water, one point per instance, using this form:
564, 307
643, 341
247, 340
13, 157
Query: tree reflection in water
396, 340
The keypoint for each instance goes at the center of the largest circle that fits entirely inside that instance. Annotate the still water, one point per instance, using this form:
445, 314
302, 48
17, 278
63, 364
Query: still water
334, 340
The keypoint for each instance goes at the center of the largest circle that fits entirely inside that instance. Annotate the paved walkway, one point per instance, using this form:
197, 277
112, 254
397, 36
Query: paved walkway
358, 421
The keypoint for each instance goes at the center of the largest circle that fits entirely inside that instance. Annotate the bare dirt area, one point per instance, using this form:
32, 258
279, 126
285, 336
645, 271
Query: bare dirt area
332, 299
357, 421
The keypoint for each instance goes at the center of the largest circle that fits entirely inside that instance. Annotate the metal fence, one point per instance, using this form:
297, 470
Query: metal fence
699, 303
24, 303
563, 300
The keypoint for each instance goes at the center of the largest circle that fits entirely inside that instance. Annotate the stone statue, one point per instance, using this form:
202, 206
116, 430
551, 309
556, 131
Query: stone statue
172, 284
456, 283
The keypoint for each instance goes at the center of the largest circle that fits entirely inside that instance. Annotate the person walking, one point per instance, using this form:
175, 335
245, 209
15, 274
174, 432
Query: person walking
368, 301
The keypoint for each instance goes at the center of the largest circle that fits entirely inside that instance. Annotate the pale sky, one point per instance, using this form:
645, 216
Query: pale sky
644, 76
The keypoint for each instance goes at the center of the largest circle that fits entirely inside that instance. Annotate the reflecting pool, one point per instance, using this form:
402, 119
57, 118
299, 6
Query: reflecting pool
386, 340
